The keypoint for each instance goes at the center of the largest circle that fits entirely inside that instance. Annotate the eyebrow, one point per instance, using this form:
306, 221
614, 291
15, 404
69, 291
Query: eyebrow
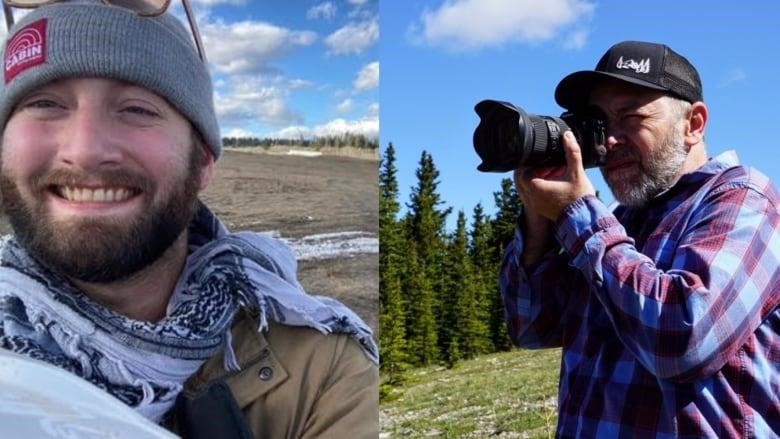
624, 105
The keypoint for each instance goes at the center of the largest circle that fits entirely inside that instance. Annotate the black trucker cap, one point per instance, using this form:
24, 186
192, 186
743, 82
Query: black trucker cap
650, 65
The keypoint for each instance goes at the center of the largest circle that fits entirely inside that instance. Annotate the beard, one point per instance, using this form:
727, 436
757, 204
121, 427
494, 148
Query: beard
657, 171
102, 250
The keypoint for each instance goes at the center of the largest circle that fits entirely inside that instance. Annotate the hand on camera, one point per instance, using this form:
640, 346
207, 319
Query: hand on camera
547, 191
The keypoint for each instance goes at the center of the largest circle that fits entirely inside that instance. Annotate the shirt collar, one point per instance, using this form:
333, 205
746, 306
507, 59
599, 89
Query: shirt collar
713, 166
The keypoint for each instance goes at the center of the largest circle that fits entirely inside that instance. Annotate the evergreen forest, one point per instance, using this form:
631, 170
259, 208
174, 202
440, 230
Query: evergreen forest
439, 293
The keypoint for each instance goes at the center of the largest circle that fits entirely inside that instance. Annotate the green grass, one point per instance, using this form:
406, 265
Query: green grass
510, 394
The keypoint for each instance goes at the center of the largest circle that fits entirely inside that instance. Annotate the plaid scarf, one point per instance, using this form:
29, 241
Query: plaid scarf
145, 364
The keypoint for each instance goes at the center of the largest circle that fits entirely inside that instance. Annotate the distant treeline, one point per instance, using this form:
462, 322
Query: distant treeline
339, 141
439, 293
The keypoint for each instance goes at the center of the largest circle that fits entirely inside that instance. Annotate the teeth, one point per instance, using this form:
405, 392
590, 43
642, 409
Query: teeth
101, 195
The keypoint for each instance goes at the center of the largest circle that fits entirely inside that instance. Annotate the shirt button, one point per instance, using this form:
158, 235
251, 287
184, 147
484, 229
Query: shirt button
266, 373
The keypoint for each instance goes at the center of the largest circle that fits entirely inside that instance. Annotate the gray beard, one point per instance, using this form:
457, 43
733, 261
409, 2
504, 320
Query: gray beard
658, 172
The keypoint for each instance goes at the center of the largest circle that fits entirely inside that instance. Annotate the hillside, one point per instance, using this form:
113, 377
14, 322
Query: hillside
510, 394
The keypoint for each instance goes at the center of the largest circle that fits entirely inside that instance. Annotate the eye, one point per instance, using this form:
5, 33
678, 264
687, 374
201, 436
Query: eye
140, 111
38, 103
40, 107
41, 103
632, 119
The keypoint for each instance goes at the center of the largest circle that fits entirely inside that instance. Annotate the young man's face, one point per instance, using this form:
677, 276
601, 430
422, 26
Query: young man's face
646, 149
99, 177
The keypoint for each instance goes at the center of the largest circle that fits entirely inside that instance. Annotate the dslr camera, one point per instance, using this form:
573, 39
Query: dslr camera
507, 137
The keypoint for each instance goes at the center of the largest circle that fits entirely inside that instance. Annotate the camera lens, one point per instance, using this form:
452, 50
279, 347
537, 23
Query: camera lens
508, 137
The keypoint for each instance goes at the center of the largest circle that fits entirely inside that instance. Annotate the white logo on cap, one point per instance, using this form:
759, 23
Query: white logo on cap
637, 66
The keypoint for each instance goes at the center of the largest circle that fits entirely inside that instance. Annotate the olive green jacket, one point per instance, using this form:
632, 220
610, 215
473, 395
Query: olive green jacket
296, 382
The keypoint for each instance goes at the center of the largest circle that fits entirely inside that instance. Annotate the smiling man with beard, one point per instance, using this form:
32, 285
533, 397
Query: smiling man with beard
667, 309
117, 272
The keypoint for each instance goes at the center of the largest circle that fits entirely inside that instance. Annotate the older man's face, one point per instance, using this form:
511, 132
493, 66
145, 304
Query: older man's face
98, 177
646, 151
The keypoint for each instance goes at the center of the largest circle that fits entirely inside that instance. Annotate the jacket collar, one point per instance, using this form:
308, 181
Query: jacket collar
261, 371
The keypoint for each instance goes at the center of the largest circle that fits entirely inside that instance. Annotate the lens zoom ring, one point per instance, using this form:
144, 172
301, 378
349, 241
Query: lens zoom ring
541, 135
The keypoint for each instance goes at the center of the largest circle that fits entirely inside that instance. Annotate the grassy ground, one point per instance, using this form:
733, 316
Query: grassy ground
511, 394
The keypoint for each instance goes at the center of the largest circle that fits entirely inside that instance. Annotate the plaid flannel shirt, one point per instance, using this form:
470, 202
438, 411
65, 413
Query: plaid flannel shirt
668, 316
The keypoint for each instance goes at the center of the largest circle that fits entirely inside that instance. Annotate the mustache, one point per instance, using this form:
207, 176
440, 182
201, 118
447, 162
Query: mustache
625, 152
105, 177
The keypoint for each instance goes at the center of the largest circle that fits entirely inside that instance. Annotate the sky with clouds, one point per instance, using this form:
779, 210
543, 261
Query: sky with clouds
308, 68
440, 57
291, 69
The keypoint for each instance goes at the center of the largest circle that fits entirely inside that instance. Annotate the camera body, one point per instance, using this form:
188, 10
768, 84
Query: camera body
508, 137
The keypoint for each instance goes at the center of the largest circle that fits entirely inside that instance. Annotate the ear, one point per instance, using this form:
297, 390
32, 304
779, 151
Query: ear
697, 121
207, 168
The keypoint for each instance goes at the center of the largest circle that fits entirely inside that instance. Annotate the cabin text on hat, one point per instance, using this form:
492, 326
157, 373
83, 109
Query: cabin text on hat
26, 49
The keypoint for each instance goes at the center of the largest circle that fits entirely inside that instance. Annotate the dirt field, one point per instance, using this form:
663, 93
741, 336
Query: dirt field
299, 196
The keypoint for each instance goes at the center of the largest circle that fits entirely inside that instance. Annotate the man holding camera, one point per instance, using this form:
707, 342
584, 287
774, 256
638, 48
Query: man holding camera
667, 309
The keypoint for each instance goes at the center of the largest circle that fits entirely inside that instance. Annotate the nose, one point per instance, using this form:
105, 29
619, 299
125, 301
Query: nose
612, 142
615, 136
88, 143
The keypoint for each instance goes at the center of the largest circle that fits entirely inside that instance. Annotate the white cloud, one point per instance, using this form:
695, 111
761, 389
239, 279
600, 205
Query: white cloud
367, 77
253, 93
368, 127
238, 132
345, 106
292, 132
354, 38
326, 10
247, 100
474, 24
295, 84
250, 46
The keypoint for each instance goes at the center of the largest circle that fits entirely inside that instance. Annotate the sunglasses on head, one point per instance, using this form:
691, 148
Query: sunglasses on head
144, 8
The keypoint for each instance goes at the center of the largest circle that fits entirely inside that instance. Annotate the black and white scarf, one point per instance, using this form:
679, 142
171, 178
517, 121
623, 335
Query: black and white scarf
43, 316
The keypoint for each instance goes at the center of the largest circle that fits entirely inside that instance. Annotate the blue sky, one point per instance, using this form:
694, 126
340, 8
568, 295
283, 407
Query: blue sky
439, 58
291, 68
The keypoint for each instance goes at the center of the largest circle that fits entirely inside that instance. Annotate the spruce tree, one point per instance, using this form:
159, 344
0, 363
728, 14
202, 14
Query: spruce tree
451, 282
424, 224
391, 243
392, 329
388, 188
469, 318
392, 322
485, 269
507, 209
426, 219
421, 330
503, 228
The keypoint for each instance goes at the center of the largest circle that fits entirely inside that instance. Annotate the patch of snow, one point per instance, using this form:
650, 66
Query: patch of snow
304, 153
331, 245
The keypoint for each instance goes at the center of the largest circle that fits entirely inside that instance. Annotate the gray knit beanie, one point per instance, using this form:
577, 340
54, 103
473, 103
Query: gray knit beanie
91, 39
